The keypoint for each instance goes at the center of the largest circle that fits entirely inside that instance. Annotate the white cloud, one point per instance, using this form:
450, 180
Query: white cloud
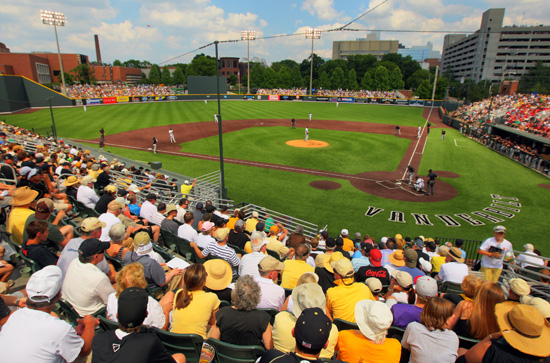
322, 9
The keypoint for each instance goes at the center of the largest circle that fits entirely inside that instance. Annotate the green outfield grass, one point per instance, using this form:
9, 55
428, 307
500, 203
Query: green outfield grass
482, 171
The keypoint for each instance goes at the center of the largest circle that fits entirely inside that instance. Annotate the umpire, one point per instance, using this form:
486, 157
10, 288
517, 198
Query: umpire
431, 182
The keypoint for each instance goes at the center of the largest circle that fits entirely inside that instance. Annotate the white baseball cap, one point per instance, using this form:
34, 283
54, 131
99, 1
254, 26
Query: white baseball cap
44, 285
344, 232
133, 188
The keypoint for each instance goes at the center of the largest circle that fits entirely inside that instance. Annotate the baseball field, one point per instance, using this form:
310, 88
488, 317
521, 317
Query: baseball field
352, 182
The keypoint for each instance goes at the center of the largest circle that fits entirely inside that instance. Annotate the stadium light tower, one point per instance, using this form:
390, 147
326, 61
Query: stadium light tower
312, 34
248, 35
56, 19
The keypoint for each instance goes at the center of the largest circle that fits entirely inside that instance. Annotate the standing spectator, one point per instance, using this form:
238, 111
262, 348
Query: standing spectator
454, 269
369, 344
186, 187
494, 250
431, 337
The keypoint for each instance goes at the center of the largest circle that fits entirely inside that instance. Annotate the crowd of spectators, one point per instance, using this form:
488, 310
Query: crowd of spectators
388, 290
114, 90
331, 93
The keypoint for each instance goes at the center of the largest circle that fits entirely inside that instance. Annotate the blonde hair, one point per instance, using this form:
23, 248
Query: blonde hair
306, 278
130, 275
470, 285
483, 321
400, 243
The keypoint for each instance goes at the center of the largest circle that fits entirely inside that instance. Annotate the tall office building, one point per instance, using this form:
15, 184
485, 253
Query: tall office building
496, 52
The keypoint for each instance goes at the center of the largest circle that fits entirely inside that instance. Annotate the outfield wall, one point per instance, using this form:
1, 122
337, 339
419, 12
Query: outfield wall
19, 93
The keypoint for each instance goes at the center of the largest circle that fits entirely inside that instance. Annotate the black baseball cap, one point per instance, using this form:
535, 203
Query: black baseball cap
330, 242
92, 246
132, 307
312, 329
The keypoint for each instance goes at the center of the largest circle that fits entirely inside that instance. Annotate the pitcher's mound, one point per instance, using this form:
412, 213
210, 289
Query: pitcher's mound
310, 143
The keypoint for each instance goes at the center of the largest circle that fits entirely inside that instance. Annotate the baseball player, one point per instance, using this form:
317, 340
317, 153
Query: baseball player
310, 117
171, 133
418, 132
216, 118
307, 134
443, 135
154, 145
419, 184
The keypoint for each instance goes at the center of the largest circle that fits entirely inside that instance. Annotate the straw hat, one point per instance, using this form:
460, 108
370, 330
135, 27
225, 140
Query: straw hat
524, 328
219, 273
456, 254
23, 195
329, 259
71, 180
397, 258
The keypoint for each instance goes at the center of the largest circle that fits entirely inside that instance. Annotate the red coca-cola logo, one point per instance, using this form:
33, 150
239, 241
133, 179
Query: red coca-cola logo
379, 274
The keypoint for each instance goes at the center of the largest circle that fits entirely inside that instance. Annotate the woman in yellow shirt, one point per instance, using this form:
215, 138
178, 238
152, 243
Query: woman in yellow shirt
194, 309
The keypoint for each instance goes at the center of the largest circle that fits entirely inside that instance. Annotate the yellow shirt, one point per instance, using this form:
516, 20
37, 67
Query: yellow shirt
284, 341
231, 222
341, 299
277, 246
437, 261
292, 272
353, 347
16, 223
348, 245
94, 173
250, 224
185, 189
194, 318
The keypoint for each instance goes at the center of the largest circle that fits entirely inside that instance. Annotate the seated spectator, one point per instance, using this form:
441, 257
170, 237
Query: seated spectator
218, 278
144, 247
133, 205
306, 278
411, 260
71, 186
348, 245
397, 260
522, 336
272, 295
242, 323
237, 237
34, 248
275, 238
361, 257
249, 262
86, 194
431, 338
518, 288
375, 287
439, 259
311, 335
158, 312
86, 287
326, 272
53, 339
103, 178
296, 237
400, 290
120, 245
374, 269
404, 314
476, 319
329, 244
205, 236
296, 267
219, 249
542, 290
168, 223
186, 231
341, 300
22, 199
148, 208
250, 223
58, 237
454, 269
529, 257
306, 296
109, 195
470, 285
183, 203
369, 344
194, 309
127, 343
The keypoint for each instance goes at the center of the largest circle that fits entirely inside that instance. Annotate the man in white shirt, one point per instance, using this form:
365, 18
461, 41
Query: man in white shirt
186, 231
493, 251
110, 218
272, 295
454, 269
529, 257
148, 207
85, 286
249, 262
182, 209
32, 334
86, 194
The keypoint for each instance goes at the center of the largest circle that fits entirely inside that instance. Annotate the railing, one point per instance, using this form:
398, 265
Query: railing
471, 246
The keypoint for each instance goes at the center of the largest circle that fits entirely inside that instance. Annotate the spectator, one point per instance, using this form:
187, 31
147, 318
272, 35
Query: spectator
186, 231
194, 309
369, 343
439, 259
518, 288
411, 260
86, 287
58, 237
459, 243
157, 312
348, 243
374, 269
454, 269
529, 257
541, 305
197, 215
341, 300
236, 235
249, 262
109, 194
250, 223
148, 207
186, 187
34, 248
205, 237
277, 233
361, 257
375, 287
182, 210
404, 314
431, 337
219, 249
22, 199
144, 247
131, 345
296, 237
522, 336
168, 223
86, 194
219, 277
397, 260
272, 295
542, 290
242, 323
53, 340
326, 272
330, 246
470, 285
103, 178
494, 250
295, 268
400, 289
306, 296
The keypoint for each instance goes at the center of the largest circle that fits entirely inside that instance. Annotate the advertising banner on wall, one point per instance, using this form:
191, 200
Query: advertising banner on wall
273, 97
93, 101
323, 99
416, 103
122, 99
108, 100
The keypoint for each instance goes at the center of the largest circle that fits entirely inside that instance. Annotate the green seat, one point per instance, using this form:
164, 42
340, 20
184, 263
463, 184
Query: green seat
30, 263
451, 288
84, 211
181, 245
162, 252
106, 324
117, 264
273, 254
69, 312
237, 249
188, 344
224, 303
231, 353
345, 325
272, 313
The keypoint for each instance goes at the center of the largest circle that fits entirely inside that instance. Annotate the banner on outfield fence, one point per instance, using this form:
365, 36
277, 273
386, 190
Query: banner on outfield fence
108, 100
122, 99
93, 101
273, 97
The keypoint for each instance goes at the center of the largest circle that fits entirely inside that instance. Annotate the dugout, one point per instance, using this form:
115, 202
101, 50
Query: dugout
202, 85
19, 93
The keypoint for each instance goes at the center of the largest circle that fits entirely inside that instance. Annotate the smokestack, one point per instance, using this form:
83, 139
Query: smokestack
97, 50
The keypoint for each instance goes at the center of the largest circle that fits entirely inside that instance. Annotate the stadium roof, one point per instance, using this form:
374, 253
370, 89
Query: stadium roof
525, 134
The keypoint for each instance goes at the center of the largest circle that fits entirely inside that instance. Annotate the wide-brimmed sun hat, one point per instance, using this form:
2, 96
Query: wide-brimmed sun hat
307, 296
333, 257
22, 196
374, 318
219, 274
397, 258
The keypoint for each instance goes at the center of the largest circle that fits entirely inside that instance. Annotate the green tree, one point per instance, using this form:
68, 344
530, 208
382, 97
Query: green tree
202, 65
179, 77
295, 77
396, 79
134, 63
289, 63
283, 77
361, 63
324, 81
352, 80
165, 77
536, 80
409, 67
381, 79
413, 82
233, 80
337, 78
424, 90
305, 67
154, 74
82, 74
367, 82
69, 79
270, 78
117, 63
257, 76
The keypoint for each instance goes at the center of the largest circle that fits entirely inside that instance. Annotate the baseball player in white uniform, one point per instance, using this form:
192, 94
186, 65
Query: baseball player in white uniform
216, 117
310, 117
307, 134
418, 132
171, 133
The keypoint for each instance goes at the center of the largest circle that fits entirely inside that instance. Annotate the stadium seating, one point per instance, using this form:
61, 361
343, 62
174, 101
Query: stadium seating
231, 353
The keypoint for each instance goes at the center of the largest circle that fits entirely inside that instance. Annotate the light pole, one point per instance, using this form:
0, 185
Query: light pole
248, 35
56, 19
312, 34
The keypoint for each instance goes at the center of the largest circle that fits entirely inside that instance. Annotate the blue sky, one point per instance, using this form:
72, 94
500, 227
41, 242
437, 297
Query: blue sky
180, 26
